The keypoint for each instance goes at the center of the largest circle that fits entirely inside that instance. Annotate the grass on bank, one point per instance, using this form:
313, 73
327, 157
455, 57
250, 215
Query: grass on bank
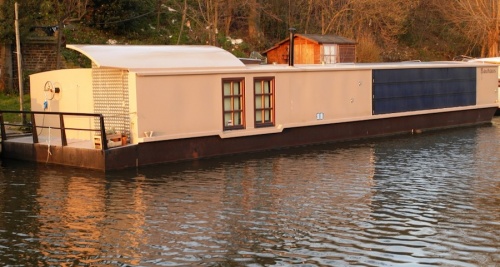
10, 102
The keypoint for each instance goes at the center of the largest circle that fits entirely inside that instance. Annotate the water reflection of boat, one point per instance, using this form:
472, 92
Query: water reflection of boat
142, 105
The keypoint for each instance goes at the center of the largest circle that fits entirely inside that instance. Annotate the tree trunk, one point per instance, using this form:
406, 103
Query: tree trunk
215, 22
308, 15
184, 13
228, 19
158, 13
496, 35
253, 17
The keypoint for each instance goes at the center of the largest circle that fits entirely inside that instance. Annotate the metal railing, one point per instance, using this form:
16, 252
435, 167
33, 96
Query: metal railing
33, 126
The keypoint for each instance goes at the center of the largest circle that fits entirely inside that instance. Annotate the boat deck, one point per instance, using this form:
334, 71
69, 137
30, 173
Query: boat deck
77, 153
53, 141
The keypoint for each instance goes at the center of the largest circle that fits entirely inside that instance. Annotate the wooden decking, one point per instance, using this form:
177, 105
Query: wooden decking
58, 148
77, 153
53, 141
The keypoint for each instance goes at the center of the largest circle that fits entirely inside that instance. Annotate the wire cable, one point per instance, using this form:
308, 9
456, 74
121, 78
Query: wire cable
48, 148
125, 20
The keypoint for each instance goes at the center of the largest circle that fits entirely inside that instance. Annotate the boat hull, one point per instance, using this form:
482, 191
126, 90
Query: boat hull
148, 153
210, 146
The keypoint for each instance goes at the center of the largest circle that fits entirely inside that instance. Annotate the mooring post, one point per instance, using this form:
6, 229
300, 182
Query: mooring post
63, 130
2, 128
33, 129
104, 139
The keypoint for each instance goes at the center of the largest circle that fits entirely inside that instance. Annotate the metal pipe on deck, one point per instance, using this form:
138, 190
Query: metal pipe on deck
291, 47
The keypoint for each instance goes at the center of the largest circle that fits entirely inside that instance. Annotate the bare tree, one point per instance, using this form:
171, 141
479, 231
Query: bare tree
227, 15
253, 20
64, 12
385, 19
334, 14
208, 20
68, 11
478, 20
183, 21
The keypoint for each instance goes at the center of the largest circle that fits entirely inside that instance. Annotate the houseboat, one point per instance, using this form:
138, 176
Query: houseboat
143, 105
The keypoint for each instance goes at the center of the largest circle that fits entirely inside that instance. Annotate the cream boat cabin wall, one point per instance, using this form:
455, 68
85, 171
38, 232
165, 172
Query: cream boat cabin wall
177, 106
173, 107
342, 94
75, 96
485, 77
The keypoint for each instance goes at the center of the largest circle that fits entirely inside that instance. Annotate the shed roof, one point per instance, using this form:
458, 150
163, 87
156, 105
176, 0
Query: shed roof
327, 39
157, 56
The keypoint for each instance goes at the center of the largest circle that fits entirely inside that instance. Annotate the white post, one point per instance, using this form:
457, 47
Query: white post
19, 63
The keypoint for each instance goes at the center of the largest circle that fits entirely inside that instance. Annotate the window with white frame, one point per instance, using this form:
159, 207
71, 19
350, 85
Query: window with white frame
329, 53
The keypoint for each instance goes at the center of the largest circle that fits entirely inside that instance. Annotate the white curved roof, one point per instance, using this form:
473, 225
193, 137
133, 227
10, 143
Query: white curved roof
491, 60
158, 56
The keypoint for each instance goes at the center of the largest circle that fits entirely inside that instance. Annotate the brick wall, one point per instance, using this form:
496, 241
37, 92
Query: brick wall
3, 68
36, 57
39, 57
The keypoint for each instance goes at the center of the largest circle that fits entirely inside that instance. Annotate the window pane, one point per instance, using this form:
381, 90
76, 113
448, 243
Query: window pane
236, 87
258, 88
227, 104
267, 87
227, 119
267, 115
227, 89
237, 118
258, 116
258, 102
237, 103
267, 101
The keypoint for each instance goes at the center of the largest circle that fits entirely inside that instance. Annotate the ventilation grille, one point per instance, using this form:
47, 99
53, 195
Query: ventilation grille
111, 98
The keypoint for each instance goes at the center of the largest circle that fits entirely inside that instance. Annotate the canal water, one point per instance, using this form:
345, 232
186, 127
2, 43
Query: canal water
429, 199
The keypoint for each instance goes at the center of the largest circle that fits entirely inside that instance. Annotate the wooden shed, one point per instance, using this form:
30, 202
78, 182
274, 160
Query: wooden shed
314, 49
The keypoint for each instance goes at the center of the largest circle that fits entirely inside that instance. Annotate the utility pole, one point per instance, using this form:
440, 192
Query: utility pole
60, 26
158, 13
19, 63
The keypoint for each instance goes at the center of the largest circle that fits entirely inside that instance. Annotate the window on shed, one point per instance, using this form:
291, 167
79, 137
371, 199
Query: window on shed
264, 101
329, 53
233, 92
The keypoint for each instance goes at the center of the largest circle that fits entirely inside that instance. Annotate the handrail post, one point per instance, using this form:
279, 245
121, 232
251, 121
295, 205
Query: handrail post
33, 129
63, 130
104, 140
2, 126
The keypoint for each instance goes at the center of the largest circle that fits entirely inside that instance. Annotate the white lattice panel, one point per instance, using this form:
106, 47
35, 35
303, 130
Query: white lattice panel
111, 98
